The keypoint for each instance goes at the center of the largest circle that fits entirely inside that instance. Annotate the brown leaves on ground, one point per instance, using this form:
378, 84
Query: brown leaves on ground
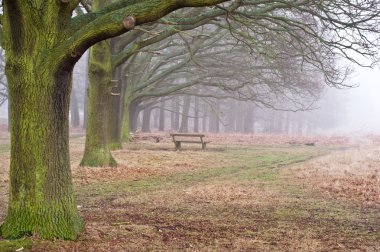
223, 212
137, 163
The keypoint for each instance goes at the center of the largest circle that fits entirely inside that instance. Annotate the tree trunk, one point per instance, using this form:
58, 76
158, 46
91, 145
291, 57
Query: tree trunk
85, 98
85, 102
214, 120
196, 114
161, 123
185, 115
41, 200
74, 110
97, 152
146, 120
231, 117
156, 116
115, 111
130, 117
45, 204
204, 118
175, 114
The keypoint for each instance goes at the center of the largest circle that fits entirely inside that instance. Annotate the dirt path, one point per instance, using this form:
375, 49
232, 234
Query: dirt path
242, 198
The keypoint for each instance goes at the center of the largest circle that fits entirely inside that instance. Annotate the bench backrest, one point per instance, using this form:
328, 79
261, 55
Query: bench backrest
186, 135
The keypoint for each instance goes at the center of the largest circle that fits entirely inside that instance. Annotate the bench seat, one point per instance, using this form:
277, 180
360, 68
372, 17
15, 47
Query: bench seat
177, 142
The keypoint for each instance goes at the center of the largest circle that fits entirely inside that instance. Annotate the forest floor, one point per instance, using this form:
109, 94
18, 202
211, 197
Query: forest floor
253, 193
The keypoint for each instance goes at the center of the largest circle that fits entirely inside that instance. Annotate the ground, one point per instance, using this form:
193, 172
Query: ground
244, 193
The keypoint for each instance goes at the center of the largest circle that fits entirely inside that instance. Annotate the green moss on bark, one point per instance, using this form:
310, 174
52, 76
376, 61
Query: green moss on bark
41, 199
97, 152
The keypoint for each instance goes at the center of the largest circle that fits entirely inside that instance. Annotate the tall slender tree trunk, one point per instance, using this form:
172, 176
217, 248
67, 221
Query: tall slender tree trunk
126, 127
85, 98
146, 120
97, 152
74, 110
204, 118
185, 114
231, 117
175, 114
41, 199
156, 117
214, 120
130, 117
85, 101
196, 114
161, 123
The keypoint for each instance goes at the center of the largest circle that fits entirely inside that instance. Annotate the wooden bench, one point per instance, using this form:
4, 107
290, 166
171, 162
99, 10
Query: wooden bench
177, 142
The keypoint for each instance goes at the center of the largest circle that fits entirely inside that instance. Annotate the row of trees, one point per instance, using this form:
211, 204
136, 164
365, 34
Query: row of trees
195, 114
271, 53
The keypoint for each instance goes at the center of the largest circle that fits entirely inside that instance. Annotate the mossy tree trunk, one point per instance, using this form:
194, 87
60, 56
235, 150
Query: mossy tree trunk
41, 199
97, 152
115, 111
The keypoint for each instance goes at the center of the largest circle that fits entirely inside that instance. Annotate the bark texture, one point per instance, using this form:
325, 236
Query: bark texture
41, 199
97, 152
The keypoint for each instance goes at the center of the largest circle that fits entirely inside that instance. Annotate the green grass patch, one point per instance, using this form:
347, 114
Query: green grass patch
250, 164
15, 245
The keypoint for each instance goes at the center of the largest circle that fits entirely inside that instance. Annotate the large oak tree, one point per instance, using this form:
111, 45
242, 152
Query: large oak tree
43, 41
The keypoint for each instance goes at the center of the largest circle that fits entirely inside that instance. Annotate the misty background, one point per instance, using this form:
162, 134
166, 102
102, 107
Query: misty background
350, 111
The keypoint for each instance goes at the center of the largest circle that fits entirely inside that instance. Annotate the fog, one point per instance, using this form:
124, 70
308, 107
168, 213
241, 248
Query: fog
351, 111
363, 102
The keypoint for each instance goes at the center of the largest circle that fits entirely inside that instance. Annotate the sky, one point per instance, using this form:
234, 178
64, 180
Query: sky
363, 102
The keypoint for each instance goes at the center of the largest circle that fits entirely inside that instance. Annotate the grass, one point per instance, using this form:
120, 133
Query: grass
244, 198
15, 245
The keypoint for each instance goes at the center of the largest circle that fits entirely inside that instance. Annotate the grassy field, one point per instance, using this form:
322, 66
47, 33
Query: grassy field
228, 198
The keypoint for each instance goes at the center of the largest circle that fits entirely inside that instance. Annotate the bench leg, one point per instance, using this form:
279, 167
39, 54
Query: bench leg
203, 146
177, 145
